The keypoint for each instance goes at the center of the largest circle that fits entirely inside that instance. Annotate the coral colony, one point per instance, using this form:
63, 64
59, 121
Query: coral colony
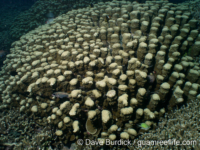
89, 76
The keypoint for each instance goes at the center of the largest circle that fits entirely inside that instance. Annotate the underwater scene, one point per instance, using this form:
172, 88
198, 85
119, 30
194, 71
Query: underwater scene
100, 75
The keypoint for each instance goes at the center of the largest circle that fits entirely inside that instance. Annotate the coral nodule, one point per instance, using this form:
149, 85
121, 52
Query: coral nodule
87, 77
